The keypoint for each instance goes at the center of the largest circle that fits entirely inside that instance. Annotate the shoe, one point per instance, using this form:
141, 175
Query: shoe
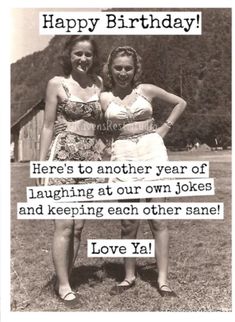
165, 293
118, 289
69, 303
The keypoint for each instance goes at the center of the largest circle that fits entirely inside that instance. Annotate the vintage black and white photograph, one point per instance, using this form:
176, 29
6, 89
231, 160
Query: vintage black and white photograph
86, 97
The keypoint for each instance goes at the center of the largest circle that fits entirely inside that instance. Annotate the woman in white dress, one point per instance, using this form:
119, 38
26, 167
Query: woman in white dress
128, 106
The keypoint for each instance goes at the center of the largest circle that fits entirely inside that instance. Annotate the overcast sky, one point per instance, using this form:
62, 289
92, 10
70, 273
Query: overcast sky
25, 38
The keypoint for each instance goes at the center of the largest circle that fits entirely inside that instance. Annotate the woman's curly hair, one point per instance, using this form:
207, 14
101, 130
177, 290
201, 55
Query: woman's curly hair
122, 51
66, 55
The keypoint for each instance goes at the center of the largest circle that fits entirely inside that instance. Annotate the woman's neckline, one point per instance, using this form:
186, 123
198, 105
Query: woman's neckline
75, 99
121, 93
74, 96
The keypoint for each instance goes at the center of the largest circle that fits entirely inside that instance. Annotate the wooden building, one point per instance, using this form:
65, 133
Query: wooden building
25, 133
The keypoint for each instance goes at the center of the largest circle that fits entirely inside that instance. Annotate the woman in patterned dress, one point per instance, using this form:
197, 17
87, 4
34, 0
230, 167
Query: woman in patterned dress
73, 100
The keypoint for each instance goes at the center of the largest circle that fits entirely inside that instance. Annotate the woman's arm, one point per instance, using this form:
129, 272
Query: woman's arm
104, 100
49, 118
100, 83
152, 91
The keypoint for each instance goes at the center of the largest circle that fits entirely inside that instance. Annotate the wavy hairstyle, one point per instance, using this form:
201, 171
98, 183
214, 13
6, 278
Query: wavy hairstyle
66, 55
117, 52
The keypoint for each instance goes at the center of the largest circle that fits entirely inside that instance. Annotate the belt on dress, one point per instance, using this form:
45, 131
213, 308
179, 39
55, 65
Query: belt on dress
134, 136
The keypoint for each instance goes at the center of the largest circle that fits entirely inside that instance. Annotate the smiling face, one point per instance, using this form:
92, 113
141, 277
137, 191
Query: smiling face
123, 71
82, 56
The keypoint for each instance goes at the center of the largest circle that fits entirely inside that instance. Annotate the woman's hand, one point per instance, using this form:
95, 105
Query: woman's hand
59, 127
162, 130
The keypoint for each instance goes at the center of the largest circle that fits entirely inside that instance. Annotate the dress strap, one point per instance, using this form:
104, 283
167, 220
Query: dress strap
66, 89
140, 94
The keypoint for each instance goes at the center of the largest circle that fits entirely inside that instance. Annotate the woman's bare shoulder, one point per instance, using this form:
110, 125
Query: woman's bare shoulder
56, 80
98, 81
106, 96
54, 85
105, 99
150, 90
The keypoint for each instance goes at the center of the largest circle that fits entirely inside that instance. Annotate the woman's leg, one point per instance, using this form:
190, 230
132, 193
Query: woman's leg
62, 253
129, 229
161, 235
77, 233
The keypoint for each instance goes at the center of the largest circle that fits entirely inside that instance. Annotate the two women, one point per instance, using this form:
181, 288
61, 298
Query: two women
75, 101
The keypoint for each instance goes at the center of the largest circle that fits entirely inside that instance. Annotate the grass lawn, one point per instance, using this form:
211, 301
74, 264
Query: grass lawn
200, 256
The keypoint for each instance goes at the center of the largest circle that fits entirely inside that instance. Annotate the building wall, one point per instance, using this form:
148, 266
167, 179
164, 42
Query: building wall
29, 135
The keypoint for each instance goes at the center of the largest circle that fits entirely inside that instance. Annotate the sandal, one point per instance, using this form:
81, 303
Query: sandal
165, 293
69, 303
118, 289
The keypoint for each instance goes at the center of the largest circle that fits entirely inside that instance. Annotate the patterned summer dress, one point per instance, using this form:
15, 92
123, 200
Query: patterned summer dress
69, 145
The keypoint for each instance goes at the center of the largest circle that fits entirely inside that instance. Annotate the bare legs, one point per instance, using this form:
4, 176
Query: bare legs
160, 234
159, 230
129, 231
66, 243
